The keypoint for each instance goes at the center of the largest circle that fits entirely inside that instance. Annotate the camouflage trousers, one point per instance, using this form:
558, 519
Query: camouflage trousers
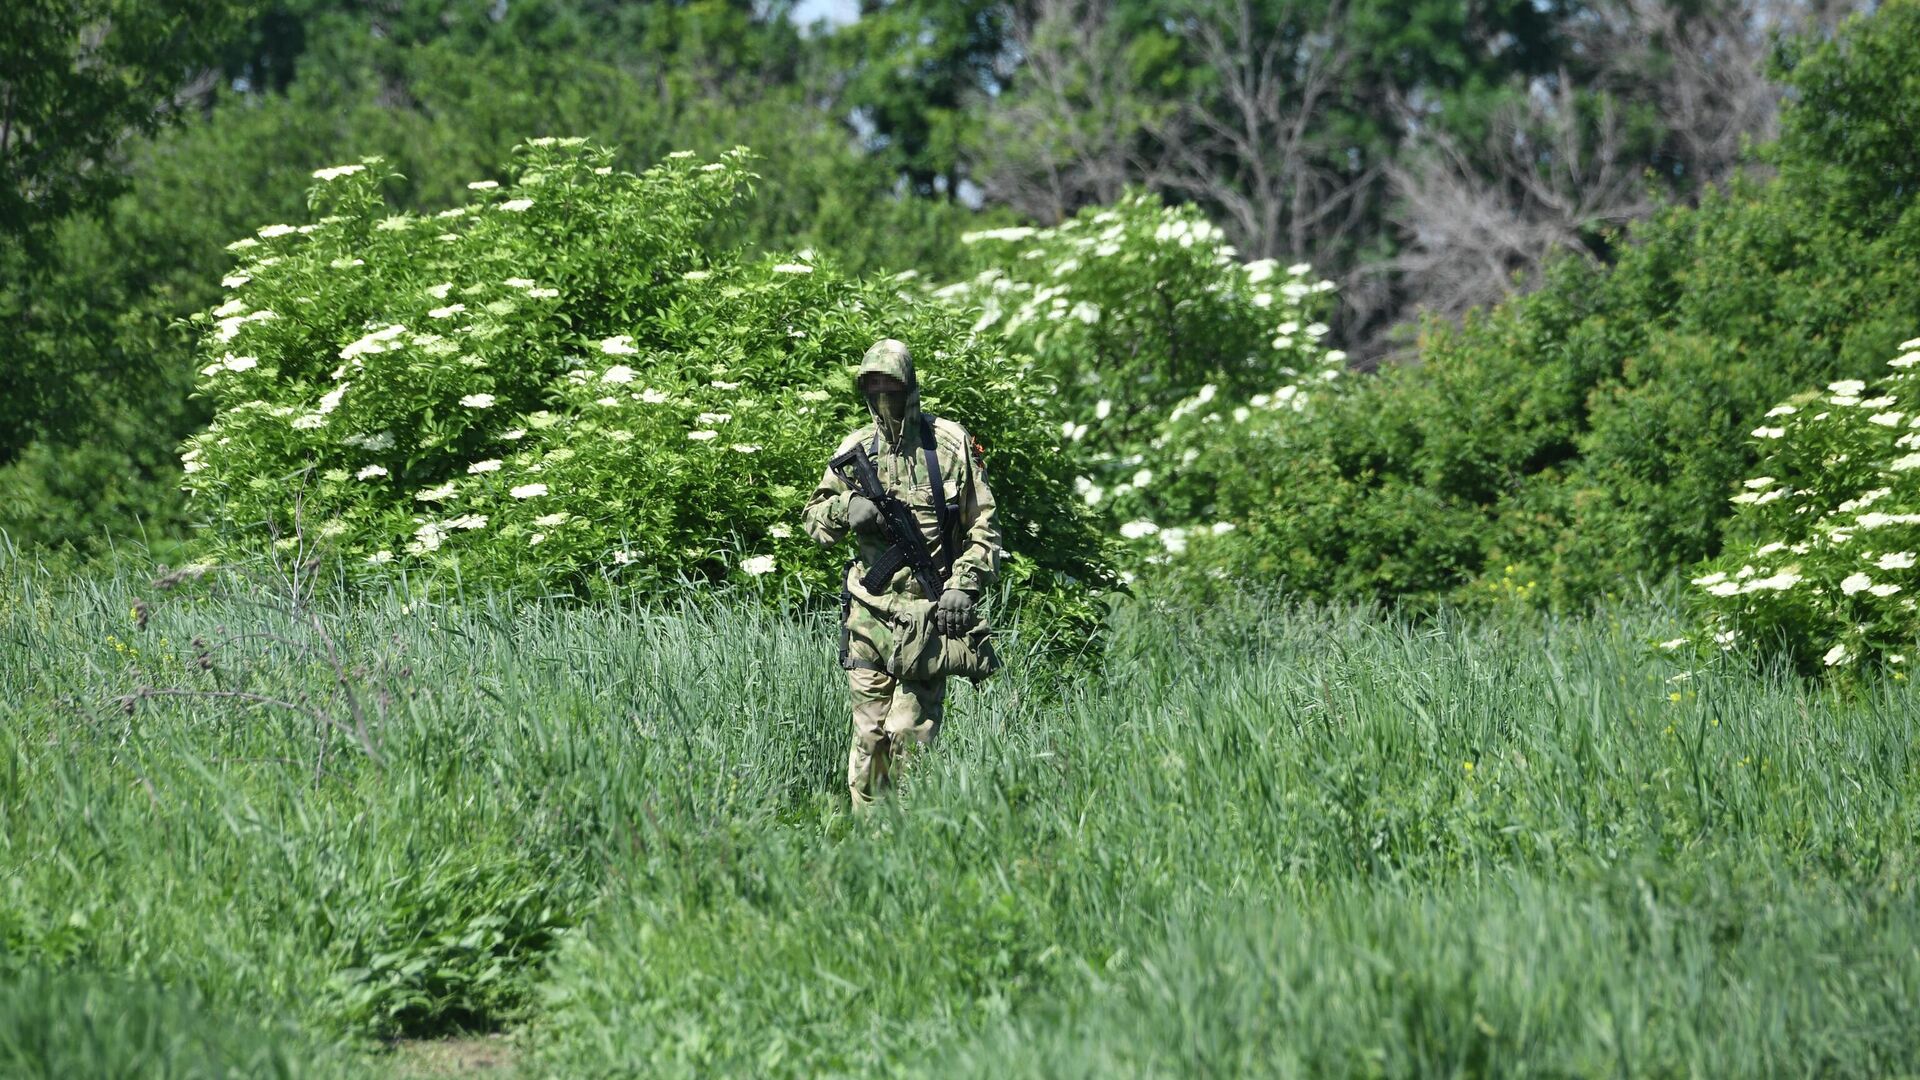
891, 719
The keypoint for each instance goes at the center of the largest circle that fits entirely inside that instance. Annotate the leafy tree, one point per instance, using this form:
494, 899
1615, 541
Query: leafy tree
1279, 117
913, 71
77, 77
1851, 138
1574, 438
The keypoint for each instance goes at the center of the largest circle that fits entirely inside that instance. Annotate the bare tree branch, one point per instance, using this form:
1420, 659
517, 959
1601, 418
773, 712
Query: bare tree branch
1265, 158
1481, 221
1070, 132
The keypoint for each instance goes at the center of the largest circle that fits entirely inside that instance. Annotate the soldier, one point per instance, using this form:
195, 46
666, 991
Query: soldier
934, 468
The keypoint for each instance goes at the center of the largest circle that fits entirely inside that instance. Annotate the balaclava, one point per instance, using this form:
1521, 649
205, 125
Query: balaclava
891, 409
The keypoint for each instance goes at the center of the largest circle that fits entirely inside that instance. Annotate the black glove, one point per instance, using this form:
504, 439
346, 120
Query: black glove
863, 515
955, 614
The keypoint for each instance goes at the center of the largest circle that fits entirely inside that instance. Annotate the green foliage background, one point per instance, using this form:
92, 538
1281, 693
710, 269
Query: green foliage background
868, 137
1170, 357
1557, 447
98, 374
1382, 721
558, 385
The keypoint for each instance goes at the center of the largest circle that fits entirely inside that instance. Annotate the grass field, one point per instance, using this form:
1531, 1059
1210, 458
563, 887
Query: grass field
1247, 839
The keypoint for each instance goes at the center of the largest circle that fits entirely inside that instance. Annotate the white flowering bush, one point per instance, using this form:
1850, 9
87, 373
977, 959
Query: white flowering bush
1162, 343
1832, 526
559, 385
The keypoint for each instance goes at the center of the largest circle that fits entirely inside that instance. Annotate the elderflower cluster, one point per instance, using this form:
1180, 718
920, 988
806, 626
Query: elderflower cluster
1838, 505
1164, 346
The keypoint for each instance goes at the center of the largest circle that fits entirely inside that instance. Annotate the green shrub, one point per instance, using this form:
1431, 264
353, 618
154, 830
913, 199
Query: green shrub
557, 385
100, 379
1832, 528
1561, 445
1173, 359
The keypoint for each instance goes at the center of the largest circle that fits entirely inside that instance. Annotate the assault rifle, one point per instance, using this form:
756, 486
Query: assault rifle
906, 546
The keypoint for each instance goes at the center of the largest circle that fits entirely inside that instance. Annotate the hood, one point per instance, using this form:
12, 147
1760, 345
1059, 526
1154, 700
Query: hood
890, 357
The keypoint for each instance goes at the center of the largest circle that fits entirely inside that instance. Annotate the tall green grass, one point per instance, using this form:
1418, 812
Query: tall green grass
65, 1026
1250, 839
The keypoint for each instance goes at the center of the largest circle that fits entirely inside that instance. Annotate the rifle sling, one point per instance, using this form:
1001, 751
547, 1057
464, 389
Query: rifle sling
940, 508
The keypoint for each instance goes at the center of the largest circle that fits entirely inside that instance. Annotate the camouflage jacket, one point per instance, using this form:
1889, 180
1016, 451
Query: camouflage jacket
975, 545
903, 473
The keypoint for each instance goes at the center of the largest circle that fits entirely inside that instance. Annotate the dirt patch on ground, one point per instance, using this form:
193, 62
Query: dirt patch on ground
491, 1056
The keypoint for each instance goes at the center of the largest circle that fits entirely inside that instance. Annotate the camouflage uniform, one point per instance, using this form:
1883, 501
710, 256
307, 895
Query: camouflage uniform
889, 714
